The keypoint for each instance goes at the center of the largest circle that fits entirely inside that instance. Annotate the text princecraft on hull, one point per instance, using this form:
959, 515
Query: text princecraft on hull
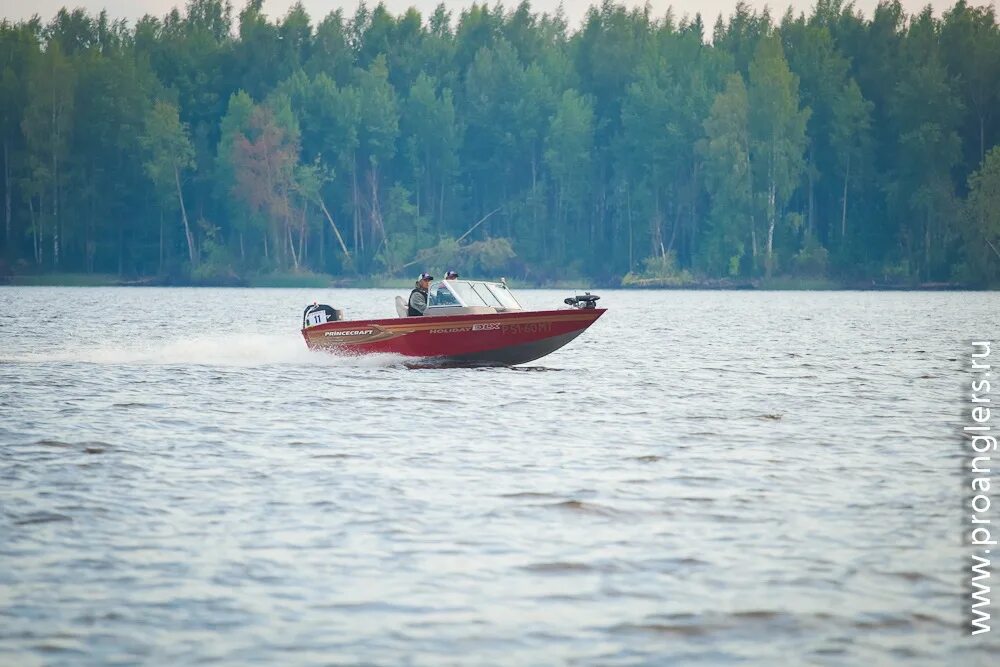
466, 322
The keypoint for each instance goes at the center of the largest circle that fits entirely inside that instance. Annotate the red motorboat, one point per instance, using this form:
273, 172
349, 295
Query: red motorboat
467, 322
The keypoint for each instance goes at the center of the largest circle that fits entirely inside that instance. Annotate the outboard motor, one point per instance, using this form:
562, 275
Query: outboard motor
586, 302
320, 313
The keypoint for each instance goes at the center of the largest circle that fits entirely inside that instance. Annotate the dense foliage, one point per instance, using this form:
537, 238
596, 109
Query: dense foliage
202, 147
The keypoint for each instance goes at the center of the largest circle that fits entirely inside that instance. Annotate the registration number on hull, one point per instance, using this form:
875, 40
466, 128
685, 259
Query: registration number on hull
528, 328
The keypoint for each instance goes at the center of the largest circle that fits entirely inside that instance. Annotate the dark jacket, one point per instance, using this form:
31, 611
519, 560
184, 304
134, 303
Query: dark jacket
417, 303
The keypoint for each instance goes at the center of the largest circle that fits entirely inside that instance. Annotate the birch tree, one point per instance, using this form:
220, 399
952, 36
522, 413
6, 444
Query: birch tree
981, 232
170, 156
778, 135
729, 175
48, 121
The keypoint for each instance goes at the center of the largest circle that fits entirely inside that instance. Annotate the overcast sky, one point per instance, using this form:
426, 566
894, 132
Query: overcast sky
574, 9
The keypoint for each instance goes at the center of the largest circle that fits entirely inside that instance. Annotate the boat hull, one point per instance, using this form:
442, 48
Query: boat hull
500, 339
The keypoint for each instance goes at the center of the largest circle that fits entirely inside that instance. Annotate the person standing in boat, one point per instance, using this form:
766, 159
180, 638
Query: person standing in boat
418, 297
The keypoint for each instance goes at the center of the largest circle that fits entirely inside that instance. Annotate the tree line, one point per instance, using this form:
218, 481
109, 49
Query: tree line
207, 146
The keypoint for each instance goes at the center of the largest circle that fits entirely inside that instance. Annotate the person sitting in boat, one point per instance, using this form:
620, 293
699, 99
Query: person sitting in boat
451, 275
418, 297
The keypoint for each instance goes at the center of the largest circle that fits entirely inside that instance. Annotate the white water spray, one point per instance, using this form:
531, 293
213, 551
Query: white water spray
231, 350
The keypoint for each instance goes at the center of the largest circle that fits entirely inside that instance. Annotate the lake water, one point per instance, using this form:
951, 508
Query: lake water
701, 478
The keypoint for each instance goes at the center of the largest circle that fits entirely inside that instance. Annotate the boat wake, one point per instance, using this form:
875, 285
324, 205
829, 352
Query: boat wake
230, 350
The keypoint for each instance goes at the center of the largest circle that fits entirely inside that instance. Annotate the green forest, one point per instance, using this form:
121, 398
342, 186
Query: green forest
217, 145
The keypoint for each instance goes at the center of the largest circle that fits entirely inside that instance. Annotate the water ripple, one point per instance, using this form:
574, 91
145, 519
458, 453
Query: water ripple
710, 478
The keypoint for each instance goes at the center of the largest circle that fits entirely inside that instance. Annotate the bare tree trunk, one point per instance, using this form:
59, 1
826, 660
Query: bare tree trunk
425, 187
159, 269
534, 192
121, 250
843, 209
376, 216
812, 194
628, 221
55, 183
41, 229
359, 239
90, 244
927, 246
184, 217
656, 236
55, 213
34, 230
771, 214
289, 243
441, 207
419, 185
993, 248
753, 221
6, 192
597, 211
322, 248
340, 239
692, 227
673, 231
291, 246
376, 207
303, 246
982, 145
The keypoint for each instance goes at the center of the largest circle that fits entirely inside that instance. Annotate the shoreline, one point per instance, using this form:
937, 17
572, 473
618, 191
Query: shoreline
320, 281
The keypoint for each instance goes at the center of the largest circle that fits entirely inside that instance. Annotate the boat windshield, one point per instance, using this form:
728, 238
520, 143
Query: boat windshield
441, 295
466, 293
486, 295
503, 295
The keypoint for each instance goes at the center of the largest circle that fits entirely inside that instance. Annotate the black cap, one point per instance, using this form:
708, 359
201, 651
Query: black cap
451, 274
426, 276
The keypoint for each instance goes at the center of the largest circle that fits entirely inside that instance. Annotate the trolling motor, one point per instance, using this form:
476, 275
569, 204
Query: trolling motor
586, 302
320, 313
